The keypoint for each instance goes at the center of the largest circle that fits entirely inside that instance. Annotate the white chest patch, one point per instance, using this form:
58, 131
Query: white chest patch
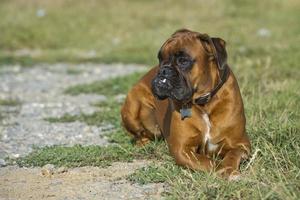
207, 136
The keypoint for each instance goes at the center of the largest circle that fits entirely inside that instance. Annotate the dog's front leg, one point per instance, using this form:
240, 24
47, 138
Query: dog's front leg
229, 166
187, 157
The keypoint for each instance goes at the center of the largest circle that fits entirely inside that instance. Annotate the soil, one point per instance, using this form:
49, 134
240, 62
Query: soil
77, 183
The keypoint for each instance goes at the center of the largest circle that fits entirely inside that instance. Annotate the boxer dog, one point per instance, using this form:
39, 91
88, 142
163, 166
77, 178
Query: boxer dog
192, 100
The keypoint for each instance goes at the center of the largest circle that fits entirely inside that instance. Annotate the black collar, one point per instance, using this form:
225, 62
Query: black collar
204, 99
223, 73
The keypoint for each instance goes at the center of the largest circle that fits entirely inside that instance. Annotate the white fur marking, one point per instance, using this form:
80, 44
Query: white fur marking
212, 147
207, 137
208, 125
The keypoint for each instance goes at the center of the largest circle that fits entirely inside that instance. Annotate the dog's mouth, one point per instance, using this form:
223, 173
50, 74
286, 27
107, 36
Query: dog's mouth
170, 84
161, 88
163, 83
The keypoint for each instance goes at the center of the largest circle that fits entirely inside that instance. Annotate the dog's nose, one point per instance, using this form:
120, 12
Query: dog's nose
166, 71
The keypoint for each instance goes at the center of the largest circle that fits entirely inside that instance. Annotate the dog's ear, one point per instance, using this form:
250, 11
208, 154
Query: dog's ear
219, 45
159, 55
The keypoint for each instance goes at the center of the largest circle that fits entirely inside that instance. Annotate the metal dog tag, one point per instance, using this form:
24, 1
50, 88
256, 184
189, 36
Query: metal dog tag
185, 112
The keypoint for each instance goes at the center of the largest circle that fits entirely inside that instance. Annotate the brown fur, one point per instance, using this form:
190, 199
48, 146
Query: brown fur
146, 118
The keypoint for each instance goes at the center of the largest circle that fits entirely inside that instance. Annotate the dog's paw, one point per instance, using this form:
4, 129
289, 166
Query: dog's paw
142, 142
229, 173
234, 176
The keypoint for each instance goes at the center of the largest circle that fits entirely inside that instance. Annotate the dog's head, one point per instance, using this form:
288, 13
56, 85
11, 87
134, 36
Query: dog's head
184, 61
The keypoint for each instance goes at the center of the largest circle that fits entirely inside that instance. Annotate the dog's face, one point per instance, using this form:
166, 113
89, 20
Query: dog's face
182, 63
172, 78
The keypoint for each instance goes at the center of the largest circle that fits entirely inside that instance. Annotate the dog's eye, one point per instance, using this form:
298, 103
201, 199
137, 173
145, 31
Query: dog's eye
183, 62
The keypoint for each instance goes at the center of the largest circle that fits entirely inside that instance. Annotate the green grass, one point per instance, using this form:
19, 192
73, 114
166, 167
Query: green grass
73, 71
119, 85
134, 34
9, 102
102, 156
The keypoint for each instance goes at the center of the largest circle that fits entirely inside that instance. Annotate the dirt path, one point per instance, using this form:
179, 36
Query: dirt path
77, 183
40, 91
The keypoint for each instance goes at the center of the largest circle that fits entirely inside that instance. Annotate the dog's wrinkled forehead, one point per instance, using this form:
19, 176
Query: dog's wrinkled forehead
179, 43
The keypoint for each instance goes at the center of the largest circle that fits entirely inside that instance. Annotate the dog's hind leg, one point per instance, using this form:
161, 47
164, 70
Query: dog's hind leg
139, 121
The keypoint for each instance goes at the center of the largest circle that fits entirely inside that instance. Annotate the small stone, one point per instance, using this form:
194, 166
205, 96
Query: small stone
48, 170
16, 155
61, 170
56, 182
2, 163
87, 129
264, 32
40, 13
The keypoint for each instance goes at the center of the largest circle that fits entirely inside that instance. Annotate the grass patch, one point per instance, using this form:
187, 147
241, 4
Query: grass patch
114, 86
259, 181
121, 150
76, 156
9, 102
73, 71
156, 173
60, 35
107, 115
79, 156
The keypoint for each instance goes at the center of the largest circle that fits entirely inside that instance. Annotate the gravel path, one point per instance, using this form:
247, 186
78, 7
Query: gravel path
40, 93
